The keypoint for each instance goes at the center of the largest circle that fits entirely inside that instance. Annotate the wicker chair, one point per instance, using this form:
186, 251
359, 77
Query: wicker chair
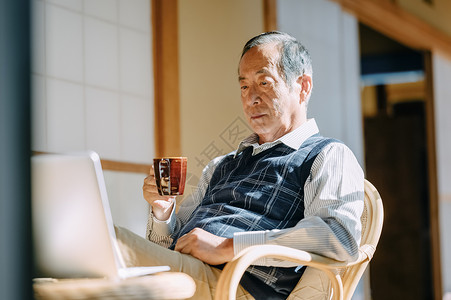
336, 280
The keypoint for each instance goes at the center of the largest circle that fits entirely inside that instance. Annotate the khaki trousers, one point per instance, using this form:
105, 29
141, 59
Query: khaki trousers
138, 251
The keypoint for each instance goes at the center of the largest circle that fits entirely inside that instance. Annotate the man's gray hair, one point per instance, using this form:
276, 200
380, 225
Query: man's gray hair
294, 58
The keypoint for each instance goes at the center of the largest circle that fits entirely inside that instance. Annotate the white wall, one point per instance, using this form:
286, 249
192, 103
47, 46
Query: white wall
442, 105
93, 88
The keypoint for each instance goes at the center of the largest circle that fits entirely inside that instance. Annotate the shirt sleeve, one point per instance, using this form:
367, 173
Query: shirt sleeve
160, 232
333, 200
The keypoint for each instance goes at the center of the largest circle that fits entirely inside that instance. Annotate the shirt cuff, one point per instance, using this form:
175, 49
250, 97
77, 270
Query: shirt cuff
242, 240
163, 228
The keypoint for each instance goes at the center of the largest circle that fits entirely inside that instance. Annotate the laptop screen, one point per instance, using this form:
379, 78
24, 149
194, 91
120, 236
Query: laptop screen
73, 230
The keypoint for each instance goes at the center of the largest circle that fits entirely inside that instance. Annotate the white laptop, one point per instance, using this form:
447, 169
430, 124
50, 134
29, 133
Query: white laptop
73, 229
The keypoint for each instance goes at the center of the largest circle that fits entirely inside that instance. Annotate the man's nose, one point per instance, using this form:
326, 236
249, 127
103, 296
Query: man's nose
253, 96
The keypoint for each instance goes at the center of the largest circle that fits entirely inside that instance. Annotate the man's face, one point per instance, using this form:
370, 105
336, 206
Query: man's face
271, 107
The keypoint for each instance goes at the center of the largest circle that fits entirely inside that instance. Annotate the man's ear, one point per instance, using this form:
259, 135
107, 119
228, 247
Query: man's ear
306, 83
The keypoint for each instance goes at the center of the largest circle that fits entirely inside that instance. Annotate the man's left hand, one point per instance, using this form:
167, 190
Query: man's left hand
207, 247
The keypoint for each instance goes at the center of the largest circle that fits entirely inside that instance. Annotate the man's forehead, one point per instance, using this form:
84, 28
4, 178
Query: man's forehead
259, 59
270, 50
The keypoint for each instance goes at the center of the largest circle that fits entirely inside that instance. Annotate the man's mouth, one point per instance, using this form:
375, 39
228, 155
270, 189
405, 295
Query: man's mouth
257, 116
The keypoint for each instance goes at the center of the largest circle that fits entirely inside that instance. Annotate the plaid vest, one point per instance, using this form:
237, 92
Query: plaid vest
260, 192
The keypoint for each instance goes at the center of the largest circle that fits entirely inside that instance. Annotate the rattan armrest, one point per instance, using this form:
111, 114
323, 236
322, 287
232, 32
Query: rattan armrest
234, 270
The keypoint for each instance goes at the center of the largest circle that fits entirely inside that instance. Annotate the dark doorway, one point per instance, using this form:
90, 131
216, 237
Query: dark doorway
396, 162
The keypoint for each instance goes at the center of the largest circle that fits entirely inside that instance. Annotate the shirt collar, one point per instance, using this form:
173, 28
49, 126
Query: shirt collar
293, 139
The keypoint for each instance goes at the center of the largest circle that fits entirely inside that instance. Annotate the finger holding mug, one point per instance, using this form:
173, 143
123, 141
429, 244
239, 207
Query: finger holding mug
161, 205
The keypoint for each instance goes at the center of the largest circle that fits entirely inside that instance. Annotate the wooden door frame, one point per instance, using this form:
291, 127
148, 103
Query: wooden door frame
417, 34
166, 77
398, 24
432, 178
270, 15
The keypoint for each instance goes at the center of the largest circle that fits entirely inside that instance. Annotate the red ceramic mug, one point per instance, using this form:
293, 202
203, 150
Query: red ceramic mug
170, 175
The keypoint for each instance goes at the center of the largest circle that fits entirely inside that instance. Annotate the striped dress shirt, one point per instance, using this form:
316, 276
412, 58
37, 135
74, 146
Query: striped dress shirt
333, 200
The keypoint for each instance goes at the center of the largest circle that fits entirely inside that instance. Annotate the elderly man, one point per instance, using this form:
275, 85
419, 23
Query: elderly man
285, 184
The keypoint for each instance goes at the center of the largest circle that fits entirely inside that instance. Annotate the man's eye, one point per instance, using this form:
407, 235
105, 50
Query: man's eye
264, 83
244, 87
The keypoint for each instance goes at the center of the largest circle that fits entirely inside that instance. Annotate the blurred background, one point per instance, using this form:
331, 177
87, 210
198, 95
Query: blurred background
137, 79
